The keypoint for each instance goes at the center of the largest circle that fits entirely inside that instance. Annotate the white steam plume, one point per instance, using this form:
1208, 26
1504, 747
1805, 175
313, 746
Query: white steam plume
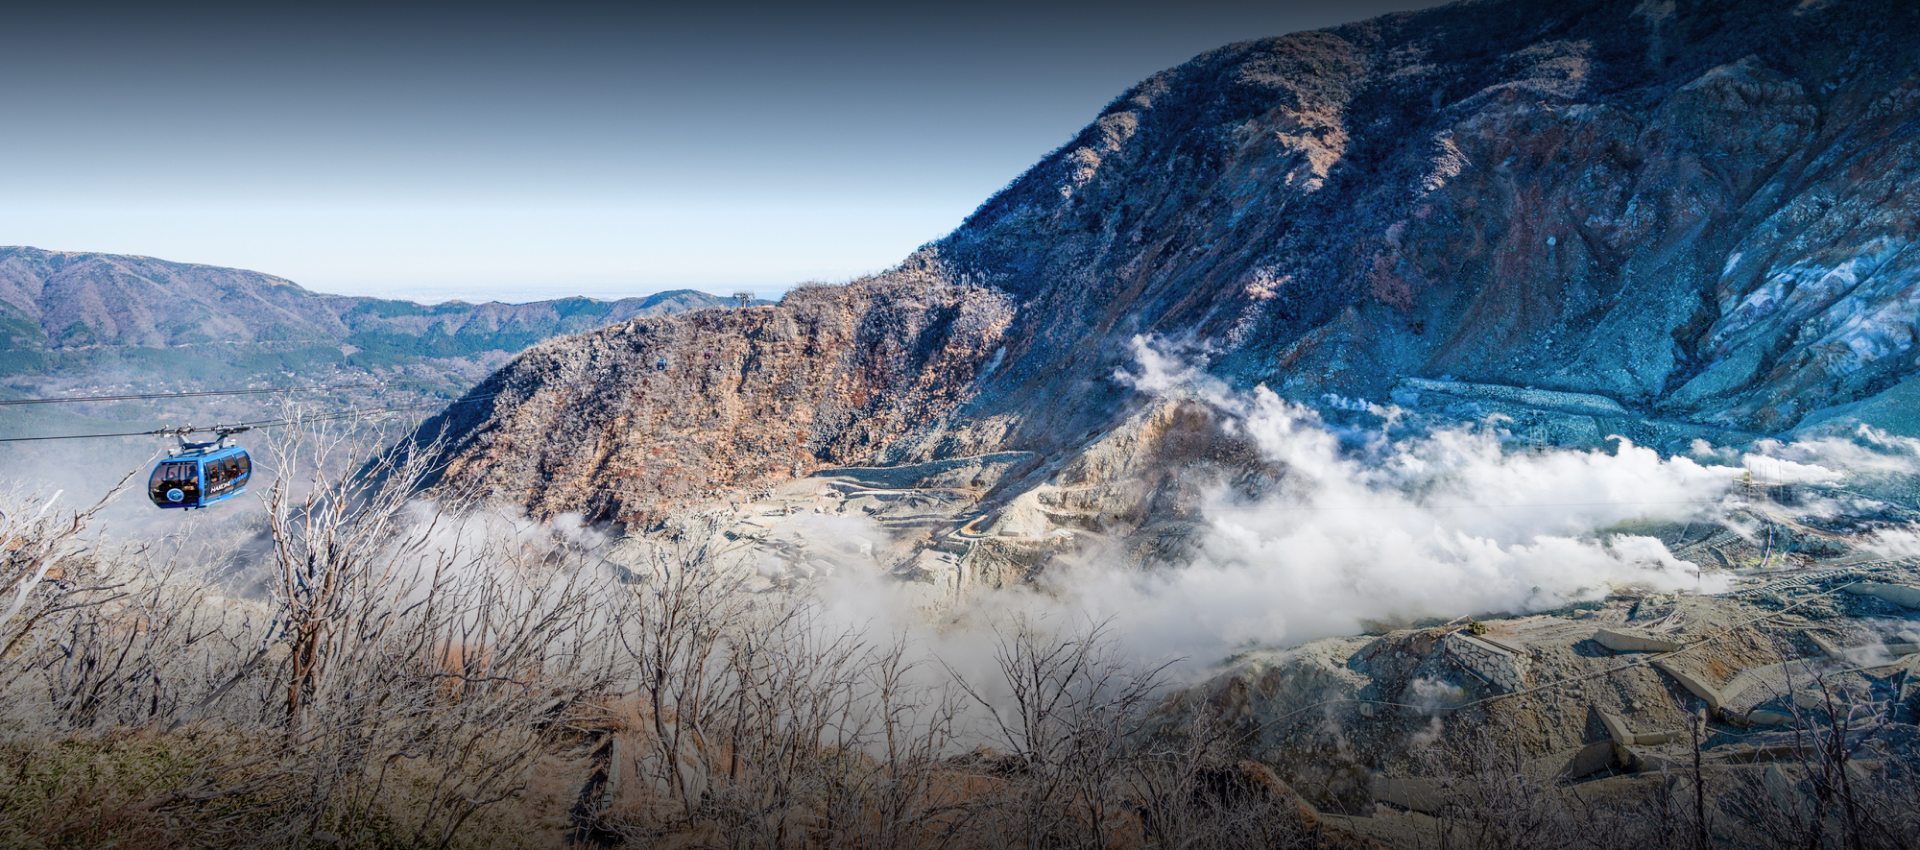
1390, 531
1362, 528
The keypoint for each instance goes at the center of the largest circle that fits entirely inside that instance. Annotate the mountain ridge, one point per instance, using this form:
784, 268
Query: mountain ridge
1700, 214
63, 302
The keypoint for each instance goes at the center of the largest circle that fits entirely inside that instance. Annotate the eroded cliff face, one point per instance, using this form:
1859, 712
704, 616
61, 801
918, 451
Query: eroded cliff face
1702, 211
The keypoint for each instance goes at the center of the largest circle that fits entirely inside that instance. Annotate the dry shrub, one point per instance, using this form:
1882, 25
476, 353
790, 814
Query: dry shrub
426, 676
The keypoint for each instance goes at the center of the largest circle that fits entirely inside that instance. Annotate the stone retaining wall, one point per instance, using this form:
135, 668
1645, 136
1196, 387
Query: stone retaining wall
1502, 667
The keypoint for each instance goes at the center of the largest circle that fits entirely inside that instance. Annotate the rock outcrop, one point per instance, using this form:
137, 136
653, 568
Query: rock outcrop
1587, 710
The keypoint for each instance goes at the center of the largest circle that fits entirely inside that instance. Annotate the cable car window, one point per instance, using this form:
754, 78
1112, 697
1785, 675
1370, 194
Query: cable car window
157, 485
244, 467
169, 477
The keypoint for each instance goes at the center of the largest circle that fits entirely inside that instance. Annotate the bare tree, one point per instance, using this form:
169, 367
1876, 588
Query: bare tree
416, 635
1067, 714
674, 629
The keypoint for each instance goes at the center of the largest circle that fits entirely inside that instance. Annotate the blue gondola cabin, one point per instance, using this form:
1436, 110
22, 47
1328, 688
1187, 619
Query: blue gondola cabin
200, 476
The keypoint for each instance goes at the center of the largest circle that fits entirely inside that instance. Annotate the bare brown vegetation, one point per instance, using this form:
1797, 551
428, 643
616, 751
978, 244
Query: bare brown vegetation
437, 675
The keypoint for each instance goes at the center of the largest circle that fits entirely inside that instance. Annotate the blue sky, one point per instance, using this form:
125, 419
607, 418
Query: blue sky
482, 151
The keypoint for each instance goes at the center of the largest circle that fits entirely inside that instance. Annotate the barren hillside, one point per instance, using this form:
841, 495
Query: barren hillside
1687, 220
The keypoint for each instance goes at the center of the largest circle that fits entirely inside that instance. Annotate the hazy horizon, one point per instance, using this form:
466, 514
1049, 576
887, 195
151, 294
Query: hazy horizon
445, 152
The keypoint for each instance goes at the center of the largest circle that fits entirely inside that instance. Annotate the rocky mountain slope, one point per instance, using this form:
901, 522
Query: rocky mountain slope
1699, 210
1526, 224
727, 398
1688, 218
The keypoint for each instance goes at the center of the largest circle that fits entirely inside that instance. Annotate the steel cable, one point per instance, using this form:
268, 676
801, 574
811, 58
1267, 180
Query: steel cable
266, 423
193, 394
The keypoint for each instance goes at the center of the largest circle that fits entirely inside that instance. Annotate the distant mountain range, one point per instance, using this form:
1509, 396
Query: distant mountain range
90, 324
71, 312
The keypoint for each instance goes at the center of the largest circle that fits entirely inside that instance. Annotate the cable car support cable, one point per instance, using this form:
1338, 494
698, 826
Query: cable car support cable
238, 427
198, 393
